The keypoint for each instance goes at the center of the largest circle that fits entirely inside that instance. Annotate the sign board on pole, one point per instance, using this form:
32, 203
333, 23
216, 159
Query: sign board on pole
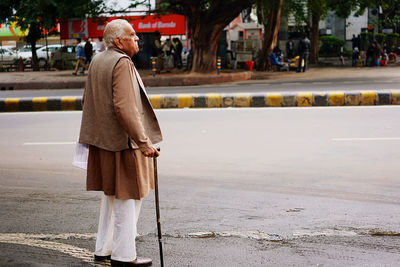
387, 31
166, 25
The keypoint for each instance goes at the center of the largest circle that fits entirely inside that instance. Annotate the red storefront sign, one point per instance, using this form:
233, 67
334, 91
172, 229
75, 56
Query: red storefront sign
166, 25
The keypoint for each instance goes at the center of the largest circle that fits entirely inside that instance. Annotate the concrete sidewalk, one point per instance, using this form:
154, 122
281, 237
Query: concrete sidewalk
65, 79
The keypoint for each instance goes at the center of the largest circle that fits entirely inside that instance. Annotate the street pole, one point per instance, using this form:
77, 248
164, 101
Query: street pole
154, 66
218, 65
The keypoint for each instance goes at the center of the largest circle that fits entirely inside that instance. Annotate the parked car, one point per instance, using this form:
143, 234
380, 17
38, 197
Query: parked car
6, 55
63, 57
26, 52
42, 54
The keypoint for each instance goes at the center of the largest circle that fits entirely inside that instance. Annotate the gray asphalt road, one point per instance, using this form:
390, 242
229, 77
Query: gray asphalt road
239, 187
251, 86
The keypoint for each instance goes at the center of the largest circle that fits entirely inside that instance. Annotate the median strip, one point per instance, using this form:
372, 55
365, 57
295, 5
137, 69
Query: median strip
270, 99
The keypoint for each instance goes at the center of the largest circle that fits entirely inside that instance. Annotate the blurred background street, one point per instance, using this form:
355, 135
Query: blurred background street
288, 186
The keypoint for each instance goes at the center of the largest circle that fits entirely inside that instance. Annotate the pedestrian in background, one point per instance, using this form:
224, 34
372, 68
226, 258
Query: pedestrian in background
274, 60
168, 57
355, 57
100, 45
354, 42
304, 52
80, 56
88, 53
290, 49
120, 127
178, 47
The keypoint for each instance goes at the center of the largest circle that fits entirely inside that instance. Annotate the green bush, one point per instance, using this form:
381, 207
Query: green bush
330, 46
380, 38
347, 53
391, 40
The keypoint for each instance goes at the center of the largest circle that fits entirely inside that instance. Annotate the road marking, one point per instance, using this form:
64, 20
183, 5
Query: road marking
352, 82
321, 82
82, 254
290, 83
368, 139
48, 143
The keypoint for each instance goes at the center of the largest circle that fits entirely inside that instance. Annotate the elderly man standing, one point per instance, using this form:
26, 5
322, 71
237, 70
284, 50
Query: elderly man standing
120, 127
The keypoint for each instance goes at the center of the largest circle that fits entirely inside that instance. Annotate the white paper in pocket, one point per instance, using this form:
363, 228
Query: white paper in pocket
81, 156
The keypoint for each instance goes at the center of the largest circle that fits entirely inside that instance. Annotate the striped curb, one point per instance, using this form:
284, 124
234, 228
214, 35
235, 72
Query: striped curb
40, 104
298, 99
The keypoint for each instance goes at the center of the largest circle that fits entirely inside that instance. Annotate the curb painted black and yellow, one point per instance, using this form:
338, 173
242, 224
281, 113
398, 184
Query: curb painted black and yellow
291, 99
40, 104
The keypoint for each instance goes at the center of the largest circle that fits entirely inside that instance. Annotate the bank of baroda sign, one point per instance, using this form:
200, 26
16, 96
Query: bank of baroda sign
166, 25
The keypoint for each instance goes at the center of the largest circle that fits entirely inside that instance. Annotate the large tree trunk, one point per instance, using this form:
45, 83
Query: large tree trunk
205, 27
315, 18
271, 24
204, 48
32, 37
34, 59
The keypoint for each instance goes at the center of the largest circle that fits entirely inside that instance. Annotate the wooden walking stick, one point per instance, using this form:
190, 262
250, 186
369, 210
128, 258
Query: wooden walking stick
158, 209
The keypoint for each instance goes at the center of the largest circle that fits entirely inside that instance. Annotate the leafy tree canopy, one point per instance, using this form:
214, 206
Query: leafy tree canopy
47, 13
39, 15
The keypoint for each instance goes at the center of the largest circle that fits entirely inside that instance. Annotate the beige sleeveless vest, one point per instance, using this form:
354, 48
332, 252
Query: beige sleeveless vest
100, 126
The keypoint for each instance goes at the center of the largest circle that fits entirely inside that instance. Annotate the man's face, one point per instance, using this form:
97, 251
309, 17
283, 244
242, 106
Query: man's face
128, 42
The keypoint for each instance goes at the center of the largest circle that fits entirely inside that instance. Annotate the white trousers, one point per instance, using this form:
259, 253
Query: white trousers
117, 228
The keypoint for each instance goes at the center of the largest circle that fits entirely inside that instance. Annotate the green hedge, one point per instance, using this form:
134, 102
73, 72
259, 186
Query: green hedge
330, 46
391, 40
380, 38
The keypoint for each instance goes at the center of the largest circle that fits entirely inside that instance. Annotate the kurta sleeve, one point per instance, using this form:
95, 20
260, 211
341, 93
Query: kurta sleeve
125, 103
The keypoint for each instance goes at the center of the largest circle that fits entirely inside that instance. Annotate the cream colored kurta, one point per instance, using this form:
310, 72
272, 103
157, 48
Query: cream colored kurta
127, 174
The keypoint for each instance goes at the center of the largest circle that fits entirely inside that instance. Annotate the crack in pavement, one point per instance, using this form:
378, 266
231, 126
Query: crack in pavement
47, 241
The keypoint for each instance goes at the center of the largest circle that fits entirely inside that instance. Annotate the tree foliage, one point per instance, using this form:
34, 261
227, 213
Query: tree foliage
388, 11
310, 12
40, 16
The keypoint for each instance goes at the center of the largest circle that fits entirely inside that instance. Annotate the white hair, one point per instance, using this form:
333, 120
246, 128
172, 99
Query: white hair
114, 28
